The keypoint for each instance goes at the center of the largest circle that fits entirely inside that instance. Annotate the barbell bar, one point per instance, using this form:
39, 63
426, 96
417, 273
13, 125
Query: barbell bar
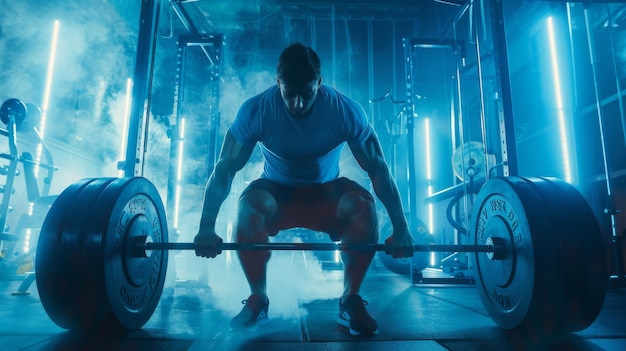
539, 258
152, 246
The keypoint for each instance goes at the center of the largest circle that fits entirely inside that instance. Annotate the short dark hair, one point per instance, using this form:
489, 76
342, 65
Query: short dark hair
298, 64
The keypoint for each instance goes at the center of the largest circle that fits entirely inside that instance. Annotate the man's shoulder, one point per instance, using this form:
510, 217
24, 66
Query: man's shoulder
335, 94
268, 93
264, 98
342, 101
330, 92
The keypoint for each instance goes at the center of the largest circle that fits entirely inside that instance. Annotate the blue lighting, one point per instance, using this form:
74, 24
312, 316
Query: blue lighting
48, 88
559, 102
49, 75
431, 216
179, 171
427, 149
126, 117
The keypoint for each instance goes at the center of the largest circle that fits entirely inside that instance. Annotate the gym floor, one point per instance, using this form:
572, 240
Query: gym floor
190, 316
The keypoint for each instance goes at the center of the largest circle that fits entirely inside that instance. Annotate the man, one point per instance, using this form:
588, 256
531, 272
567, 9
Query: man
301, 127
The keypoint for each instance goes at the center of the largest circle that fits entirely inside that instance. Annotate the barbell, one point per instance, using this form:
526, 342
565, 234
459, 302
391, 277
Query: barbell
539, 257
144, 246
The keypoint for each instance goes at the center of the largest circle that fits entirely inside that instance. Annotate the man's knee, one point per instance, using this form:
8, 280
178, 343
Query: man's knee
356, 203
358, 210
255, 207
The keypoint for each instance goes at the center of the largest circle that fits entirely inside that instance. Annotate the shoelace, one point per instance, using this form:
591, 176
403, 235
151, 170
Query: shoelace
260, 305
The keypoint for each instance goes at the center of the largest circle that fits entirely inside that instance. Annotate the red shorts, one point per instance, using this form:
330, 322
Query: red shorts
313, 207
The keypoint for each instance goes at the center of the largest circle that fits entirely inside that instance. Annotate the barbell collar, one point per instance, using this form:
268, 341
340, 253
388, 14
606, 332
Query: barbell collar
499, 252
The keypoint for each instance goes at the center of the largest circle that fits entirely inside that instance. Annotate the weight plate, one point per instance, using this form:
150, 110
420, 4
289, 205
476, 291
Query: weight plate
128, 208
15, 108
32, 118
510, 209
582, 252
58, 262
555, 275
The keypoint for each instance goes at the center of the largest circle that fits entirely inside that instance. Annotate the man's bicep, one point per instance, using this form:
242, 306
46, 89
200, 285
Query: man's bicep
234, 155
368, 154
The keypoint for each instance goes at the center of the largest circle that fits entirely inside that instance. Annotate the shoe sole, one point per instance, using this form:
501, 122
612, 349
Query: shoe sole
253, 328
346, 324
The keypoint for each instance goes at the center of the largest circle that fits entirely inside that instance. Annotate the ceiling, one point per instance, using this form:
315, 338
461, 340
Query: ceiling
215, 16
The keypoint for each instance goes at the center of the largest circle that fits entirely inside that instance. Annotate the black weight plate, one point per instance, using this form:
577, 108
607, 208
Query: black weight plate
15, 108
510, 288
59, 266
50, 267
550, 291
127, 288
582, 250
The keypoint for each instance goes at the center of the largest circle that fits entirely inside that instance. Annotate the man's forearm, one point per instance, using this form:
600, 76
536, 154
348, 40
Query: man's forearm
387, 192
217, 189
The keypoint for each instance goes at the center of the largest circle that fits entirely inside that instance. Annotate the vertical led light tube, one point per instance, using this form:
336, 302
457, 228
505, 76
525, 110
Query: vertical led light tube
559, 102
129, 92
428, 172
229, 239
179, 170
49, 75
44, 114
431, 221
46, 93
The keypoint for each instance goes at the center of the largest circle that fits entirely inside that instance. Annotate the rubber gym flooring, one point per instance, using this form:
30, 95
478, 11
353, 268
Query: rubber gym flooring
194, 316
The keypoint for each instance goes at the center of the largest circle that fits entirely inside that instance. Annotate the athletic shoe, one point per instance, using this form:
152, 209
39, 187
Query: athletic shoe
353, 315
252, 315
